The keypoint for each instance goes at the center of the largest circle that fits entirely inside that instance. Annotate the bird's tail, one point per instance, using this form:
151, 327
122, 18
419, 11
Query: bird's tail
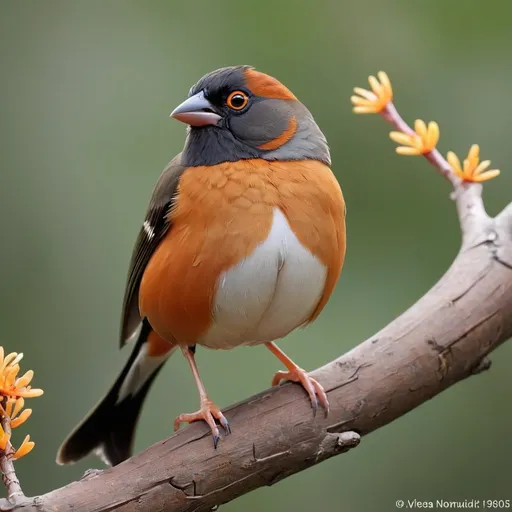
108, 430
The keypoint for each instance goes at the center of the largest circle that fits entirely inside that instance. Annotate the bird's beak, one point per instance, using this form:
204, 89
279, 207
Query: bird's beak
196, 111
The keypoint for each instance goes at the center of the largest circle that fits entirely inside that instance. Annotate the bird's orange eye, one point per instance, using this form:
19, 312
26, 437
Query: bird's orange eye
237, 100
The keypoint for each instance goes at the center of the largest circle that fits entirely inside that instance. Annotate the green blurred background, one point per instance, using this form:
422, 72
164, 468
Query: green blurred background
86, 89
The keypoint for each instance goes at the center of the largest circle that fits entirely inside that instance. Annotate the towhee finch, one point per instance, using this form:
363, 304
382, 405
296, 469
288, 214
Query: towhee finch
243, 242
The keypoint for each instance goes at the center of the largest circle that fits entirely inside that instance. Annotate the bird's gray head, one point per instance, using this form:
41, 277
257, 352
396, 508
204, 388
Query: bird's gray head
239, 113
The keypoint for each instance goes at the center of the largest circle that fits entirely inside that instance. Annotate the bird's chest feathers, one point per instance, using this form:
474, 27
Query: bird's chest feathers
245, 259
272, 291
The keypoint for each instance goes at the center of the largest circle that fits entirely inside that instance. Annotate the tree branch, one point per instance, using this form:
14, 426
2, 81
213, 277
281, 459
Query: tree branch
443, 338
14, 492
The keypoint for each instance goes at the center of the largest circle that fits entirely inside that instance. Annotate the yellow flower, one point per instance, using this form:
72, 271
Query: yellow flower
472, 169
26, 447
13, 391
376, 100
16, 420
422, 141
10, 414
10, 385
4, 438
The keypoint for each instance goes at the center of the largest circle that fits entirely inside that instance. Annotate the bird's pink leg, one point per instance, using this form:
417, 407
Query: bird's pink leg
296, 374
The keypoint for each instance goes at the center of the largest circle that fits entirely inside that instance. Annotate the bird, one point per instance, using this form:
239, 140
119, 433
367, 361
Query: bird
243, 242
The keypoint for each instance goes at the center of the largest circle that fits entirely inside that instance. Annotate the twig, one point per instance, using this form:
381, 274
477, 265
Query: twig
14, 492
390, 114
467, 195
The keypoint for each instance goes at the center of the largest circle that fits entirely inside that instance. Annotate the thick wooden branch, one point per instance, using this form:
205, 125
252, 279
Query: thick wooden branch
442, 339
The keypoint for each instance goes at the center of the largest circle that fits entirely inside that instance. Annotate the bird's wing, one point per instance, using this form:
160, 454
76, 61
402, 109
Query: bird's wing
156, 224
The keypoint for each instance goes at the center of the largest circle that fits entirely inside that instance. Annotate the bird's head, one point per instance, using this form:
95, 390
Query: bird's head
239, 113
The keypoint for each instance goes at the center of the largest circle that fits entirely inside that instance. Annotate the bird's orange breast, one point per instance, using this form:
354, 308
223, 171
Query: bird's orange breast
221, 215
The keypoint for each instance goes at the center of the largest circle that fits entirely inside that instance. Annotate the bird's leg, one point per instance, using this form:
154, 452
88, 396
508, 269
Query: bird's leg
296, 374
208, 411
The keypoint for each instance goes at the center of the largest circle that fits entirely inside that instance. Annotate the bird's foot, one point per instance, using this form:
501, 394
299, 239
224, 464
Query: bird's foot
208, 412
314, 389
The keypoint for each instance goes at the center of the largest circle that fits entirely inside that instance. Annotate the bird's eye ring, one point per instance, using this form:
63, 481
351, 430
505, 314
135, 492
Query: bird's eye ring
237, 100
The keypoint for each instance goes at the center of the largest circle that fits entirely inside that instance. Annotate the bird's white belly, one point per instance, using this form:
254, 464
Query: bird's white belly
267, 295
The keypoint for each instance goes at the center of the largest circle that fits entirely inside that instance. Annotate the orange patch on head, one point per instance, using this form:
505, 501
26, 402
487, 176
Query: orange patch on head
157, 346
283, 138
264, 85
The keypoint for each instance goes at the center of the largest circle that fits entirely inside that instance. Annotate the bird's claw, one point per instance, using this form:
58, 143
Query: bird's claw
209, 412
314, 389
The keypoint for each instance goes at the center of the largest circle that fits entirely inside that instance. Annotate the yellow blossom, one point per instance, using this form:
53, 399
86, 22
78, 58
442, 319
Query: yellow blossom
376, 100
10, 385
26, 447
422, 141
24, 416
472, 169
13, 412
13, 391
4, 438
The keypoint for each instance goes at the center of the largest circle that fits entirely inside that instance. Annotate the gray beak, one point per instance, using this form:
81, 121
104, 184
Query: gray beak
196, 111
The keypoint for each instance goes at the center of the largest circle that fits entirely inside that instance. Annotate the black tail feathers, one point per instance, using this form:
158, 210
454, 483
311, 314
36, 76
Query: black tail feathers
108, 430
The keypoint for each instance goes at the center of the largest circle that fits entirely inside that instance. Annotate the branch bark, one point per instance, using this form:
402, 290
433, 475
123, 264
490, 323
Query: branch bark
11, 482
442, 339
